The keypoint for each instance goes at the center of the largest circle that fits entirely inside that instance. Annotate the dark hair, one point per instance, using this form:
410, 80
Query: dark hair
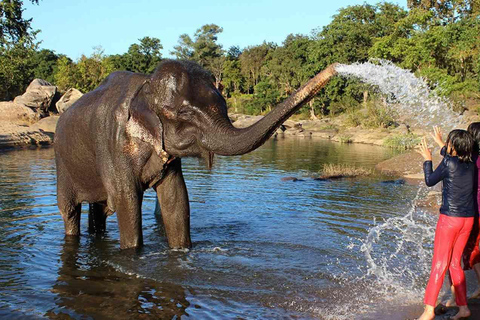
474, 130
462, 142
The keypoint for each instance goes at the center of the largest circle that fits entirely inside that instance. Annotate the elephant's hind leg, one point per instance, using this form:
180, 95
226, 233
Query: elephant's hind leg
97, 217
71, 217
69, 207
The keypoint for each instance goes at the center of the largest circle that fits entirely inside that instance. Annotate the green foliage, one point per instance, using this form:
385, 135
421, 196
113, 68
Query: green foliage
345, 139
45, 62
16, 68
141, 57
84, 75
347, 39
374, 115
14, 28
439, 40
266, 96
402, 141
203, 49
251, 61
17, 49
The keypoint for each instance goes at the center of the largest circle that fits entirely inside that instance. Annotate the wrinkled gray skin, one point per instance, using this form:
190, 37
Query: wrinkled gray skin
110, 145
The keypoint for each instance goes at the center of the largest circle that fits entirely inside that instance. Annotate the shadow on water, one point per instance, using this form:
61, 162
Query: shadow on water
86, 286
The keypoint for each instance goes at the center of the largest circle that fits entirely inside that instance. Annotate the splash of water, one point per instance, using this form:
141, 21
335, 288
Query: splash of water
407, 95
398, 250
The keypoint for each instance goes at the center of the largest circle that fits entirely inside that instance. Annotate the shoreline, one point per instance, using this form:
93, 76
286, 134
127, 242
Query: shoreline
20, 133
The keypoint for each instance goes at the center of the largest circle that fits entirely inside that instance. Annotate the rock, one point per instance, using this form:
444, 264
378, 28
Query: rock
409, 165
39, 96
14, 135
294, 179
17, 114
46, 125
246, 121
68, 99
289, 124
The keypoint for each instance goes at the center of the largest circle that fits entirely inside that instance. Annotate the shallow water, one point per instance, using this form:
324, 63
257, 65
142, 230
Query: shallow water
263, 248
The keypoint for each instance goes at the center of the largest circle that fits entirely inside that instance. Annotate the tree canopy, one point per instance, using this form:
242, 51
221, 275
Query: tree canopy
437, 39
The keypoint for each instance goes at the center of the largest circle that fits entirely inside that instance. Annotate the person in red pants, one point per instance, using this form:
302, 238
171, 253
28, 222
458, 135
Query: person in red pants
471, 255
456, 172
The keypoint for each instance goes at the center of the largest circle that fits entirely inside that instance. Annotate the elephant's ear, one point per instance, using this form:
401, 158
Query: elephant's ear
143, 123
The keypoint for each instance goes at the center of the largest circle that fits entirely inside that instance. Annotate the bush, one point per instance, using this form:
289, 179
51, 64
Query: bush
374, 115
377, 116
345, 139
402, 141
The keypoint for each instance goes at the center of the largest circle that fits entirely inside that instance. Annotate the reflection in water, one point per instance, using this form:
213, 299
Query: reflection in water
263, 248
86, 286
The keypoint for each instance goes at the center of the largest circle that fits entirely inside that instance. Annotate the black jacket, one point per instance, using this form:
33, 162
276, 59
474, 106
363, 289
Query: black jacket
458, 185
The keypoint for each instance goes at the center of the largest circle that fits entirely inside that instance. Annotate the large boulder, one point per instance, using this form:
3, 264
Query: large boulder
17, 114
46, 125
38, 96
68, 99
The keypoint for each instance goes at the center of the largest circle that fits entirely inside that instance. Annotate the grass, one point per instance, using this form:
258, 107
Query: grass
345, 139
336, 171
402, 141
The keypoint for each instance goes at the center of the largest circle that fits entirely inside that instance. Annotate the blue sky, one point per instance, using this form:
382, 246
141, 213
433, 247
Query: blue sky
75, 27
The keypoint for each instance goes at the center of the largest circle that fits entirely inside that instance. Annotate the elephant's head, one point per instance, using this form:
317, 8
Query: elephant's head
194, 117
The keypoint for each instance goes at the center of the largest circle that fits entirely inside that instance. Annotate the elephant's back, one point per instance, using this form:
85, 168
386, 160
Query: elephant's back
100, 105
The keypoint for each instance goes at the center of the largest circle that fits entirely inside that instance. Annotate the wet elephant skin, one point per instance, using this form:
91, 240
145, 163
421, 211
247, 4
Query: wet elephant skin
130, 134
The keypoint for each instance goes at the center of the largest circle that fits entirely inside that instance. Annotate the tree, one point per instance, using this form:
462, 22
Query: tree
144, 57
66, 75
252, 60
348, 39
13, 26
448, 11
45, 65
86, 74
16, 68
203, 49
17, 48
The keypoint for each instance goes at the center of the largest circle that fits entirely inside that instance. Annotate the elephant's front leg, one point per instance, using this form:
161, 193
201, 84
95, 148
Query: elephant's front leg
173, 197
128, 206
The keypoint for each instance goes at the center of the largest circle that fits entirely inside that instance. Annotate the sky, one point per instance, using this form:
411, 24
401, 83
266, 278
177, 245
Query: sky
76, 27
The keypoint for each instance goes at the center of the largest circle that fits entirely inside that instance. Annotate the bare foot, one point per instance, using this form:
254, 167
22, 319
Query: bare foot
476, 294
428, 314
464, 312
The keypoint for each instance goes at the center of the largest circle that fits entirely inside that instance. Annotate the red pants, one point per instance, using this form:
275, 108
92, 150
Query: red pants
451, 237
471, 254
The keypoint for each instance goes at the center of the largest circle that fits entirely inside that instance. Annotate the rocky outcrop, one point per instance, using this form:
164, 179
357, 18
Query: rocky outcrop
38, 96
68, 99
14, 135
409, 165
17, 114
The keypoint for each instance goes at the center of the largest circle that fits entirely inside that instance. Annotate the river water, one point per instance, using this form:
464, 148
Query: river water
263, 248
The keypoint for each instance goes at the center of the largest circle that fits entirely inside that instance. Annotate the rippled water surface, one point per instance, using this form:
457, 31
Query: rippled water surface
263, 248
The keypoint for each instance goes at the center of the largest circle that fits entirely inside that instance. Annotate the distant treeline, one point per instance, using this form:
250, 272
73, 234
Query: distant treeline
439, 40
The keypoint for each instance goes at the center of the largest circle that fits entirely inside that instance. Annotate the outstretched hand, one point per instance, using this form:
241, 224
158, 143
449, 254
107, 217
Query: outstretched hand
423, 150
437, 136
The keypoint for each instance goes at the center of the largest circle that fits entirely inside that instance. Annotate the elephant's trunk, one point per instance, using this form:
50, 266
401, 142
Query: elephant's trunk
233, 141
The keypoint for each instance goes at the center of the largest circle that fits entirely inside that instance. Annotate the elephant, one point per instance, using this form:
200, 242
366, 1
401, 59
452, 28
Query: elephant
130, 134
